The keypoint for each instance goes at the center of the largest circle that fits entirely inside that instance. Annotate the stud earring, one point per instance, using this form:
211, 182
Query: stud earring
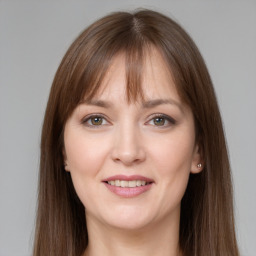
199, 165
66, 166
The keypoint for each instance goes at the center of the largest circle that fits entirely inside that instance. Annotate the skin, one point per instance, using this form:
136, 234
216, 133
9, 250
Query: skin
130, 140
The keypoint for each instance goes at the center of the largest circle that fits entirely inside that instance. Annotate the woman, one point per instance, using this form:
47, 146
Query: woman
133, 155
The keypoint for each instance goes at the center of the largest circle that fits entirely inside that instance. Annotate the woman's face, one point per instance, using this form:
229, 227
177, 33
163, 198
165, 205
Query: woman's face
130, 163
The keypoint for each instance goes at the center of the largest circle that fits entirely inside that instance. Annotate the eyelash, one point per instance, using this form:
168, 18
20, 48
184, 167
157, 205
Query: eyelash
167, 118
90, 117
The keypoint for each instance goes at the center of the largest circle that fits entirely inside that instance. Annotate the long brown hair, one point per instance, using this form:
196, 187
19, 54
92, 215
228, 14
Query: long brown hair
207, 220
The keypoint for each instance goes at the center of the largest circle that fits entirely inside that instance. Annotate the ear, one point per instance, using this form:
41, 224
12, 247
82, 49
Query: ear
197, 164
66, 167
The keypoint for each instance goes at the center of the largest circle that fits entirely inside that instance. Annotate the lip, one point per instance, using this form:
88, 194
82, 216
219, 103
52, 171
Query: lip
128, 178
128, 192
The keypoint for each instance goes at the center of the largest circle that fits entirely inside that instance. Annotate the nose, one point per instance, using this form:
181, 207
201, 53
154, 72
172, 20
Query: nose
128, 146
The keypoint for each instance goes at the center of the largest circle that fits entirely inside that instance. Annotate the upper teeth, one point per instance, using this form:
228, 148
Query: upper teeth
127, 184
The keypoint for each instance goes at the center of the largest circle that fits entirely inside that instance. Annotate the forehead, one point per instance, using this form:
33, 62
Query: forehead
156, 80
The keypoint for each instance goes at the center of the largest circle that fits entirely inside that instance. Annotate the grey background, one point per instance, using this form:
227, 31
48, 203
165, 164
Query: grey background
34, 36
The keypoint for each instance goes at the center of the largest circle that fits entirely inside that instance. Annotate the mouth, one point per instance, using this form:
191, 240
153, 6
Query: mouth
128, 186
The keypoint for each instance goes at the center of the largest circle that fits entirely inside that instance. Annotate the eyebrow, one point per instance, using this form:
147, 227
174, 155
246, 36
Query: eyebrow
98, 103
145, 104
157, 102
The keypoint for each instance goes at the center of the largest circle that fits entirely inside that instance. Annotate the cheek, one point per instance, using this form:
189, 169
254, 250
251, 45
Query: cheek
85, 158
85, 154
172, 159
174, 154
173, 174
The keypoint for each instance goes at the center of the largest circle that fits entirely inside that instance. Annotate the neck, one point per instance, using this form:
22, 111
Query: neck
159, 239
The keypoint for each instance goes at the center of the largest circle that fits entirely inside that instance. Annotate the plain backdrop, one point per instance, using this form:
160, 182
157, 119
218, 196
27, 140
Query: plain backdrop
34, 36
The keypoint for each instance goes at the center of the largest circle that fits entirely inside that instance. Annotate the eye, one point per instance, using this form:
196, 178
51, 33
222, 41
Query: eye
161, 120
95, 120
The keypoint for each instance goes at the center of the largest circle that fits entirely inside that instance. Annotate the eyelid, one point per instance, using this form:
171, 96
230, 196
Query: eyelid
170, 119
89, 116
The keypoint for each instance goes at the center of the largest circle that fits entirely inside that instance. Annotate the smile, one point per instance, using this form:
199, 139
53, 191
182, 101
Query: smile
128, 184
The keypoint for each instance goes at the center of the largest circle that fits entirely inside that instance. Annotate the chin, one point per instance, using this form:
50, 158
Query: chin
128, 218
129, 224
